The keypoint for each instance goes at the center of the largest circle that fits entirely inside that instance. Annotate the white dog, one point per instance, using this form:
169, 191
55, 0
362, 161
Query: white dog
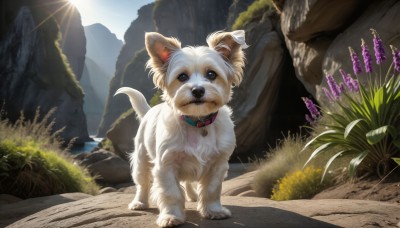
189, 137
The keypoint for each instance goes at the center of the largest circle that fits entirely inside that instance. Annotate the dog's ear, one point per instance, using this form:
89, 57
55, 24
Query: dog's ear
160, 49
230, 45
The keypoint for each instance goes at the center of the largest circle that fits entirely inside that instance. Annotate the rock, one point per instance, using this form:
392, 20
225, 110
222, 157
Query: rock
238, 185
106, 167
303, 21
107, 190
110, 210
12, 212
6, 198
237, 7
122, 134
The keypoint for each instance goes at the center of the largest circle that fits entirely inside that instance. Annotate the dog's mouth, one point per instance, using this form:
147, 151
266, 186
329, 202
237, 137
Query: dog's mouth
197, 102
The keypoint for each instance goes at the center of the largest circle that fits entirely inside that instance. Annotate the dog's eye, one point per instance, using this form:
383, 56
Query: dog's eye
211, 75
183, 77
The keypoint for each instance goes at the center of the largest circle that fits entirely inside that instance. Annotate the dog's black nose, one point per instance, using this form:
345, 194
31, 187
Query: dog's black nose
198, 91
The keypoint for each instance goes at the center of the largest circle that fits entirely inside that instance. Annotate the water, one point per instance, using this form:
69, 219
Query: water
87, 147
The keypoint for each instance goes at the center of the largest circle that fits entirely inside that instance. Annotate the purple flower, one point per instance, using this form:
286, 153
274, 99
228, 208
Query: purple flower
347, 79
378, 47
309, 119
355, 85
342, 87
396, 58
366, 56
356, 62
333, 86
327, 94
311, 107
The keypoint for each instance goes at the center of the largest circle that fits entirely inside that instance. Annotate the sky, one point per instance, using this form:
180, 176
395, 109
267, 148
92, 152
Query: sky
116, 15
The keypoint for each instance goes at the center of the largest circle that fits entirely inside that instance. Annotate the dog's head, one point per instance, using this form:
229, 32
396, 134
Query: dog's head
197, 81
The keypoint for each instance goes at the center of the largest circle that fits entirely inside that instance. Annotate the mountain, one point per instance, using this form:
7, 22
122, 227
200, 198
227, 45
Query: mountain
102, 50
102, 47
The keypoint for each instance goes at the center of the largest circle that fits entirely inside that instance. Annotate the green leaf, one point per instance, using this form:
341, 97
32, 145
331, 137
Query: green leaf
319, 150
397, 160
355, 162
350, 127
375, 136
325, 133
330, 161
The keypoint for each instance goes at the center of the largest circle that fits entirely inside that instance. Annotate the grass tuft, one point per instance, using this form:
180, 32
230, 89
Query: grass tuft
32, 163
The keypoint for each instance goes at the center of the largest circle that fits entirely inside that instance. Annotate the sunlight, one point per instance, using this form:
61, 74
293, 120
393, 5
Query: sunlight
81, 5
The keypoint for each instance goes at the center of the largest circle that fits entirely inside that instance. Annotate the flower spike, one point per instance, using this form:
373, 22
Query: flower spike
396, 58
366, 56
380, 54
356, 62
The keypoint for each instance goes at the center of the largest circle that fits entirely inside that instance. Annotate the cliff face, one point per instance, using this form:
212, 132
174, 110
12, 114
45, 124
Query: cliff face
35, 73
195, 20
268, 102
73, 42
134, 41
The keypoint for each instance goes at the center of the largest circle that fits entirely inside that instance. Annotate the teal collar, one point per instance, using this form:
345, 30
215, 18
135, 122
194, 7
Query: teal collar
201, 122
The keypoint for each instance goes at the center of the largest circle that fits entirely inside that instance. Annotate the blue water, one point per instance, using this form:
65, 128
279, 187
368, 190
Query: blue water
87, 147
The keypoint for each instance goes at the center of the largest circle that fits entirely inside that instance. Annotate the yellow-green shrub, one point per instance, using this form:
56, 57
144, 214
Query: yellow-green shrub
283, 159
253, 12
301, 184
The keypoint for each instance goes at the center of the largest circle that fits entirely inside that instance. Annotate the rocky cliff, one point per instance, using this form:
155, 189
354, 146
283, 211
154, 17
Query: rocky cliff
134, 42
34, 71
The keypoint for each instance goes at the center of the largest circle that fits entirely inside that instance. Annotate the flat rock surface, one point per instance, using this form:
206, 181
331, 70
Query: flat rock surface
11, 211
110, 210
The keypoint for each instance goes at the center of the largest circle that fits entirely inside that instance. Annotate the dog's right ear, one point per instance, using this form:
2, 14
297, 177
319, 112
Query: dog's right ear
160, 49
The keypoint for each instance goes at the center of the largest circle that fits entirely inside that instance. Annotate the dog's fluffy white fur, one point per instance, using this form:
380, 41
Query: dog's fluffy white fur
168, 151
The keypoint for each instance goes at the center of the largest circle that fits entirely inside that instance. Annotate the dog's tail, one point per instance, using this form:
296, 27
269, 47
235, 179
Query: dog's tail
138, 101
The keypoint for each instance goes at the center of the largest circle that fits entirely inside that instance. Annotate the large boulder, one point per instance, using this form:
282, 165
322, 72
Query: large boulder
316, 42
110, 210
106, 167
380, 16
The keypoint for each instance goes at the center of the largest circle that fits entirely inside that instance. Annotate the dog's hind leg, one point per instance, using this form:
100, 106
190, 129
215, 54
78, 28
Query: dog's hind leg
191, 194
141, 174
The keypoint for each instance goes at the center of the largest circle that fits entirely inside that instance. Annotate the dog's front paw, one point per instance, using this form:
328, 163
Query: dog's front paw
137, 205
167, 220
215, 213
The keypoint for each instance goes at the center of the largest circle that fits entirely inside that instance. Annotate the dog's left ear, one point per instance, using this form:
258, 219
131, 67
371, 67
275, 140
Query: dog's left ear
230, 45
160, 49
